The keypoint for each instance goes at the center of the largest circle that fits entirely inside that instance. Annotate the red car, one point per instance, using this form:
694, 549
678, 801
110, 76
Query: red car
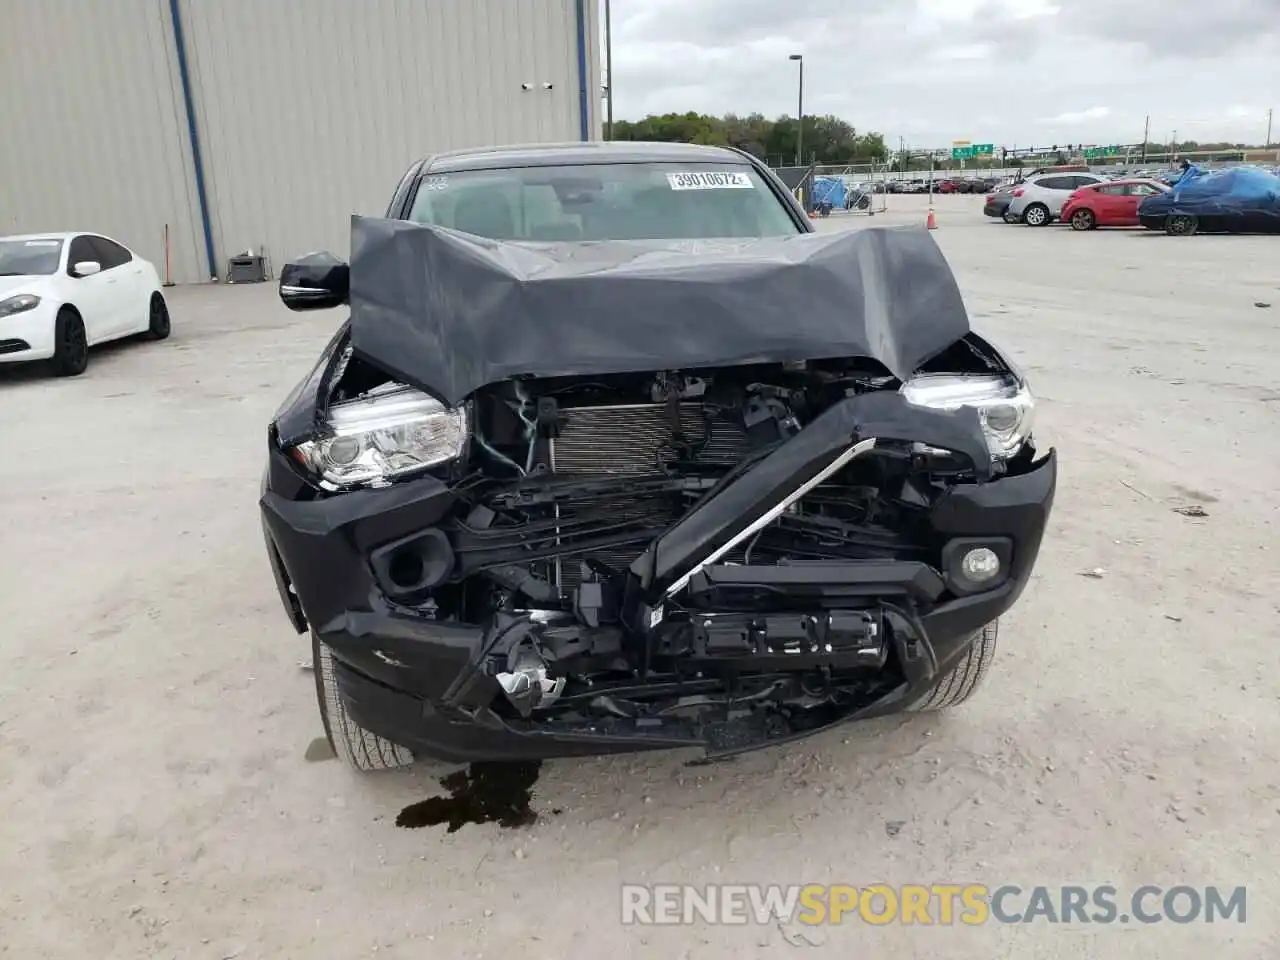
948, 186
1113, 203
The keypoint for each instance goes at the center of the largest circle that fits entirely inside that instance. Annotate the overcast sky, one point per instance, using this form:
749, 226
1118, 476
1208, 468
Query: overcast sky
932, 71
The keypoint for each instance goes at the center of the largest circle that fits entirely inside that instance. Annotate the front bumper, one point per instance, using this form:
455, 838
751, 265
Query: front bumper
421, 683
27, 336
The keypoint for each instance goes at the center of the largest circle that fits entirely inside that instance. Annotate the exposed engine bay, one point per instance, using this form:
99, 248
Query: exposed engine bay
604, 467
569, 480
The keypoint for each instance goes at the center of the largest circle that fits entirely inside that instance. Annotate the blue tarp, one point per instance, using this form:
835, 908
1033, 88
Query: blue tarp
829, 190
1187, 175
1239, 200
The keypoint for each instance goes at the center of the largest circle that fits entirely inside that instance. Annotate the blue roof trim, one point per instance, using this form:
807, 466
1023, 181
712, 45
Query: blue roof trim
197, 161
584, 113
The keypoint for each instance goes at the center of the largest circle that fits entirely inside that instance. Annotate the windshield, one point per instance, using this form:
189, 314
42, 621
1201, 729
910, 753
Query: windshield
20, 258
614, 201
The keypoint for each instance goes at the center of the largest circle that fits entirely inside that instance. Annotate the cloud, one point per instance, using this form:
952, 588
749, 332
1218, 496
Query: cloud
970, 51
999, 71
1072, 117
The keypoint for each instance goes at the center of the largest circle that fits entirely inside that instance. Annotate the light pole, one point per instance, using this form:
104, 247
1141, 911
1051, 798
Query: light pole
608, 70
799, 58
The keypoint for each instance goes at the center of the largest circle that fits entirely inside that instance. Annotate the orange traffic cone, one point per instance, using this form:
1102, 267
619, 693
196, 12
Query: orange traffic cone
932, 222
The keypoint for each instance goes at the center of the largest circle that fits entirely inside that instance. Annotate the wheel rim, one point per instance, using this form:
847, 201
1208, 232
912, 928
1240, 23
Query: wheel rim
1180, 225
1035, 216
1082, 220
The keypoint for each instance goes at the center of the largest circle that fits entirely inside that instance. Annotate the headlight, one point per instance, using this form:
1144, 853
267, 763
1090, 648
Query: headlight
19, 304
1004, 404
391, 431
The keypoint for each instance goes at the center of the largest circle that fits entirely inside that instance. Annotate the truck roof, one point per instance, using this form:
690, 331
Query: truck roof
578, 152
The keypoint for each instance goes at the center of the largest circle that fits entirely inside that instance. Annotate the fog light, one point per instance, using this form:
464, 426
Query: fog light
980, 565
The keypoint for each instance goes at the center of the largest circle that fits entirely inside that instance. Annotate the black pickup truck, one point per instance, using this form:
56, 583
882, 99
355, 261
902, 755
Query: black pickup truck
615, 452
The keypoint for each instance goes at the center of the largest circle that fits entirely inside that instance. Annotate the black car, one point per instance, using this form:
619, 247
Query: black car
1236, 200
999, 196
614, 452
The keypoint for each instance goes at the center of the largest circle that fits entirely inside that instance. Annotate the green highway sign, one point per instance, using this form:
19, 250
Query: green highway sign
1093, 153
969, 151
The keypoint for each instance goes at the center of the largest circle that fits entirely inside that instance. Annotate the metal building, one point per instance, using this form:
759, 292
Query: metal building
238, 124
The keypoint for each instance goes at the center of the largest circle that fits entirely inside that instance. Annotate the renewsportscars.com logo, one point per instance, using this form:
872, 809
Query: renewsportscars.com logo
969, 904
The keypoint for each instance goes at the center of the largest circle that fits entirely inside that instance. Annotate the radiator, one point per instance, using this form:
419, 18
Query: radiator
636, 439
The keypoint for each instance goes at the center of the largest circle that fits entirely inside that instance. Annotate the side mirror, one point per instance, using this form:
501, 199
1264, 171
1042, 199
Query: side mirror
86, 268
317, 281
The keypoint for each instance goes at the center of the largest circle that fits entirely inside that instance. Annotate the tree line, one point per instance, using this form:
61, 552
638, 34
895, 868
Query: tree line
827, 139
831, 141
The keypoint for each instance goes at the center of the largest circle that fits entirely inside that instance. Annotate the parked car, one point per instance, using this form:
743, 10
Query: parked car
947, 186
1110, 204
62, 293
915, 186
997, 202
1038, 200
591, 496
1238, 200
1057, 168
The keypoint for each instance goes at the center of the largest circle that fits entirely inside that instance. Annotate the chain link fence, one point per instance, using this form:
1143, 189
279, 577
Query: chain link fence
855, 189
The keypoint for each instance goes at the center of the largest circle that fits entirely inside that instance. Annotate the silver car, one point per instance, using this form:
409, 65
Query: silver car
1039, 199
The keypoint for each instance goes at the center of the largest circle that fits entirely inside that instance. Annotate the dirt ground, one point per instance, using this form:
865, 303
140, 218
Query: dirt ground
154, 793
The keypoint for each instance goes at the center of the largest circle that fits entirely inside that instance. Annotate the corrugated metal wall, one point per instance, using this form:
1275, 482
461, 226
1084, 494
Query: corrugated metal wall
310, 110
92, 130
307, 110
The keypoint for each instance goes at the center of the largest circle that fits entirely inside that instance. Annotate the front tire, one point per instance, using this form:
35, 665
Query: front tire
360, 748
1083, 220
158, 318
1036, 215
71, 344
959, 685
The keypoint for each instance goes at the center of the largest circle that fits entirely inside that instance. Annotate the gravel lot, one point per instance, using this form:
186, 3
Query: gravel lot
154, 718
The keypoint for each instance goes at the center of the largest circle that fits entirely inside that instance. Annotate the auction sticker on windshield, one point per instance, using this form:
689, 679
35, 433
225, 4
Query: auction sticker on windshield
709, 180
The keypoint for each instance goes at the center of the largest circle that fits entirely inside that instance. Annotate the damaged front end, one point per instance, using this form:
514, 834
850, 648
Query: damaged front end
538, 500
724, 557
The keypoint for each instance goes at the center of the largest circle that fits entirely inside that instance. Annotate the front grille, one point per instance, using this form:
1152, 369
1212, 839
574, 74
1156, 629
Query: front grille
636, 439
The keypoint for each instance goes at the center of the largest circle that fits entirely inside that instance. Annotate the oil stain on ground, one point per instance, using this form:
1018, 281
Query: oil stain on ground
498, 793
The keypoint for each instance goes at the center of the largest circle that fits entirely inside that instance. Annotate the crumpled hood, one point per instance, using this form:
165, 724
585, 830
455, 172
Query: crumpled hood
450, 313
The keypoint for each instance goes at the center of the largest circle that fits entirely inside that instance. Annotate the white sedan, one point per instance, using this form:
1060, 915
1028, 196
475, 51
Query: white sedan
61, 293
